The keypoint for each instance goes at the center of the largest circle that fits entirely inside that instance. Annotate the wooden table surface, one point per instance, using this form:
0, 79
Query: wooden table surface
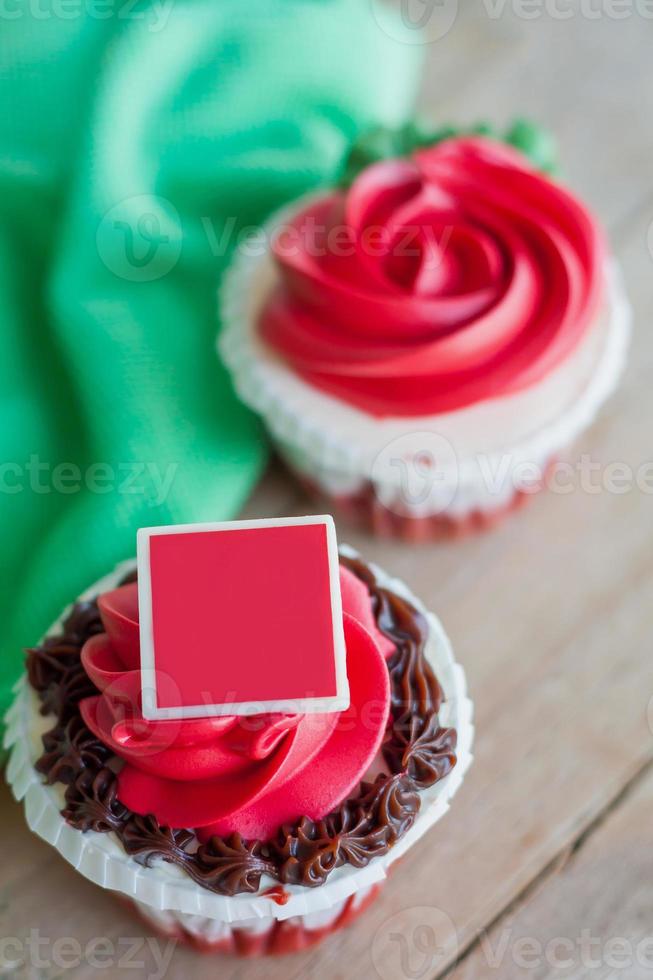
544, 865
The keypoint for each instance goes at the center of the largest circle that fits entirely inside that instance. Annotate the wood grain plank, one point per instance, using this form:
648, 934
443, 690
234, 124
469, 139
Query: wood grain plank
591, 918
274, 496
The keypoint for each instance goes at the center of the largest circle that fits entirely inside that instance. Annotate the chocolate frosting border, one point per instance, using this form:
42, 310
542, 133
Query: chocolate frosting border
417, 750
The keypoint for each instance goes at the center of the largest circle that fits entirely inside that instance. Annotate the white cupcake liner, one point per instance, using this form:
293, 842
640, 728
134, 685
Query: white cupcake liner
216, 932
101, 858
340, 449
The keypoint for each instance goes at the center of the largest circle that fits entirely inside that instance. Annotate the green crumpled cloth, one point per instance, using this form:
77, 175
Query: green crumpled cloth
136, 140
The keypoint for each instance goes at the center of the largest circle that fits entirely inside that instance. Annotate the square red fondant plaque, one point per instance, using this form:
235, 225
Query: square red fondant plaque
241, 617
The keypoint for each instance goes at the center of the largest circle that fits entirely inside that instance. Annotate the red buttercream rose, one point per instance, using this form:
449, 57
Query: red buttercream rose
436, 281
250, 775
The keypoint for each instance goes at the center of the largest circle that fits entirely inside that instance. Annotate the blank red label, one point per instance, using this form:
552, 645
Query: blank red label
241, 618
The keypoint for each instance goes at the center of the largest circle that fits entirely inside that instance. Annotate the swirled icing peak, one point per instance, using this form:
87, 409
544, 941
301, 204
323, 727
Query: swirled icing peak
439, 280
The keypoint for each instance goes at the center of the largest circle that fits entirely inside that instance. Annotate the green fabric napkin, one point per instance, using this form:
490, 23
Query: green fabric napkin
136, 141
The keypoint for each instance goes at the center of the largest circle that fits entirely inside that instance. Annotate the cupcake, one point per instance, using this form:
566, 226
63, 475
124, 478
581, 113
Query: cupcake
425, 340
242, 834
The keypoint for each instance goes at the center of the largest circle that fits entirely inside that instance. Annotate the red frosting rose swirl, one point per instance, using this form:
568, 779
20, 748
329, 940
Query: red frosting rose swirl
436, 281
233, 774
